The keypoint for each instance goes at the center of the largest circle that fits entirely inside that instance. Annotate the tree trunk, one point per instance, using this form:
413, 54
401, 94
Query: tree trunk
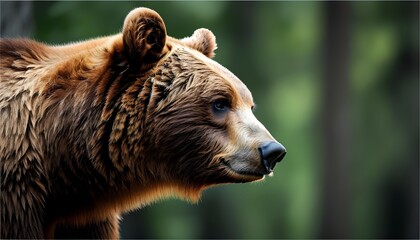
335, 222
16, 19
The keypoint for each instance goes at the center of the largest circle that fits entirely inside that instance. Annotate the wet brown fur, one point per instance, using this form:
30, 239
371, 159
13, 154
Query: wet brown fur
92, 129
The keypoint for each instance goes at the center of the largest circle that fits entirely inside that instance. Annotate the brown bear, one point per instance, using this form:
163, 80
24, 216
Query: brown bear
92, 129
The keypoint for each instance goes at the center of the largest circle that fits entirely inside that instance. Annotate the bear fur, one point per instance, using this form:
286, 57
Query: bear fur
93, 129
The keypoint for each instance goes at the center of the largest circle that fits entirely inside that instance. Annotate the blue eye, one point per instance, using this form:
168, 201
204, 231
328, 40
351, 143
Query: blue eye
221, 106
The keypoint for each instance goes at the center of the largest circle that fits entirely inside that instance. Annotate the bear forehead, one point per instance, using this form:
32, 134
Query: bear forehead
195, 58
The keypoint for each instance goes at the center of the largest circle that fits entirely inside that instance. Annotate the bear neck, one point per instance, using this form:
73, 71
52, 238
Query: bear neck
115, 108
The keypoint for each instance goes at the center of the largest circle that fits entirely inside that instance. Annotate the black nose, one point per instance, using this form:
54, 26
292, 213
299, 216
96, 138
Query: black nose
271, 153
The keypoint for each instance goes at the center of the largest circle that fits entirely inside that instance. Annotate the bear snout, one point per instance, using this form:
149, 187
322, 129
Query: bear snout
250, 164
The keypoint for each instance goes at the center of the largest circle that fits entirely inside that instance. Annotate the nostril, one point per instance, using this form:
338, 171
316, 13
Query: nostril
271, 153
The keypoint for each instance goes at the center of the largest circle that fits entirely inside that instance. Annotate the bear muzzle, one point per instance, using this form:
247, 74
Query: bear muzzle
253, 163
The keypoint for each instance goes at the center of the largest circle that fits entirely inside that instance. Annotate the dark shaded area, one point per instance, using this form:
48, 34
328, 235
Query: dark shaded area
400, 191
16, 19
336, 122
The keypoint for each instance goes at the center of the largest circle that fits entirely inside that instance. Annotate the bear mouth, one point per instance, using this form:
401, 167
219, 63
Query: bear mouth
248, 175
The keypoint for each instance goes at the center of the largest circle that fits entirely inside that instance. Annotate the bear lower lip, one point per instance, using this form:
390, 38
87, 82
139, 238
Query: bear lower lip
245, 173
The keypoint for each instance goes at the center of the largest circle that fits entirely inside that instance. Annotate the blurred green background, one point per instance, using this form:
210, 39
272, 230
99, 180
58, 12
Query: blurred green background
336, 83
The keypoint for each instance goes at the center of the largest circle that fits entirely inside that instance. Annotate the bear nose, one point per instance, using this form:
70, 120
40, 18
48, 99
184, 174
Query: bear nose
271, 153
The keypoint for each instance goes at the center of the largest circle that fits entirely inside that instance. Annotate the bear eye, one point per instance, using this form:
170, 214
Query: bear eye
221, 106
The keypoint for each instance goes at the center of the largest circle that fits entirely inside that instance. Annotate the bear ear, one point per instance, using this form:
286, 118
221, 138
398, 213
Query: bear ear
203, 40
144, 36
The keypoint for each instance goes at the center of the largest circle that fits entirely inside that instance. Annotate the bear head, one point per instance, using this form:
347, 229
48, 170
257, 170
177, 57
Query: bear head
195, 124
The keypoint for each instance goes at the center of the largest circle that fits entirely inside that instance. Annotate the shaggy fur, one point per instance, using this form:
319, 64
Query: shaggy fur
93, 129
